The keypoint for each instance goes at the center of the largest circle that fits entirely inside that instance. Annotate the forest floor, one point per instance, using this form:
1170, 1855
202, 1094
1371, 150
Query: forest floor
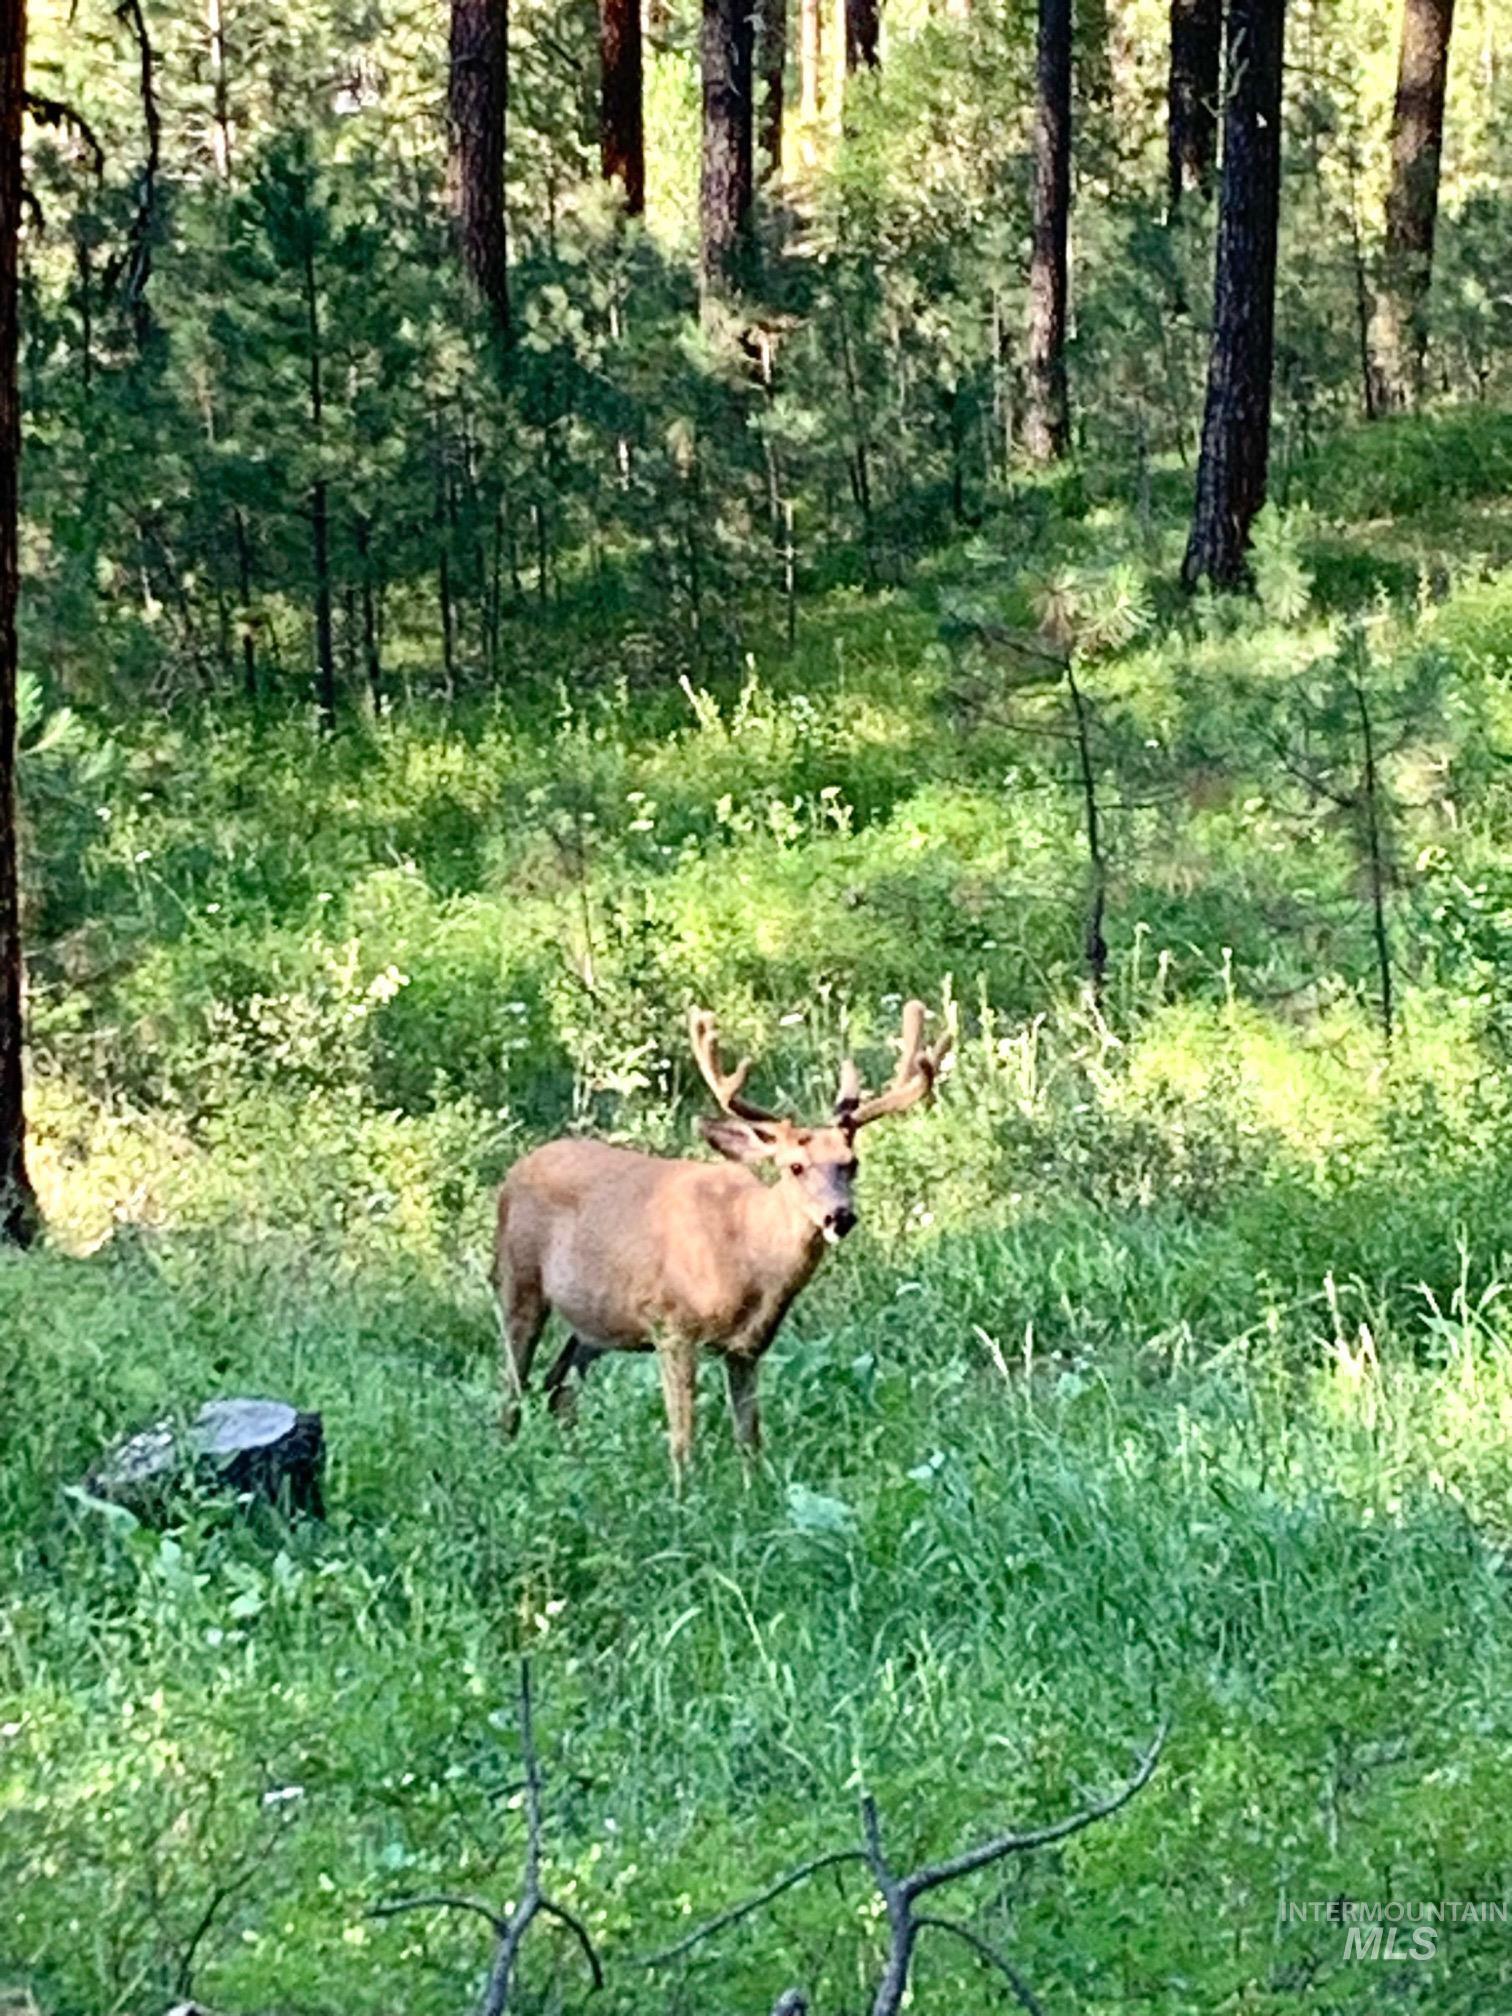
1168, 1376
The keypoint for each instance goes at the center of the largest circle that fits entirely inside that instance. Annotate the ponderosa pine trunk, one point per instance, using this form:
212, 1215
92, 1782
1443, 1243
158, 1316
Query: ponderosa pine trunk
477, 102
863, 34
1192, 99
1047, 424
1232, 469
727, 180
622, 131
772, 29
1399, 328
18, 1202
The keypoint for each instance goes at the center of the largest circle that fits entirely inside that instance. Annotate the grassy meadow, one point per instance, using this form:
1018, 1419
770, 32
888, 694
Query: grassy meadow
1169, 1374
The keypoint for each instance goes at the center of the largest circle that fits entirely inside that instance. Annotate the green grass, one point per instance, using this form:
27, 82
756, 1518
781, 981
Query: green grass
1170, 1374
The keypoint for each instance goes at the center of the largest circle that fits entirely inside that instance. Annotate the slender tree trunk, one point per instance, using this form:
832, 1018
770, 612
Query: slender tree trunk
622, 140
1192, 99
1399, 333
220, 103
244, 578
18, 1202
1232, 468
726, 181
477, 105
362, 532
137, 270
320, 509
810, 59
1047, 425
772, 21
863, 34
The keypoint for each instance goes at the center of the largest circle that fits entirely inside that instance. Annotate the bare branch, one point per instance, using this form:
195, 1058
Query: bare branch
56, 112
933, 1874
576, 1926
440, 1903
510, 1931
739, 1911
985, 1950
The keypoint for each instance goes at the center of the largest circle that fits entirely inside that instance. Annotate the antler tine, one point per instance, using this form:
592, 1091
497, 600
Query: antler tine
848, 1098
918, 1068
703, 1034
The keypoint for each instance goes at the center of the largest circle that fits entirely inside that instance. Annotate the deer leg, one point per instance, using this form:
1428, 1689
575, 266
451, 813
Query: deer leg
524, 1320
741, 1375
561, 1390
679, 1377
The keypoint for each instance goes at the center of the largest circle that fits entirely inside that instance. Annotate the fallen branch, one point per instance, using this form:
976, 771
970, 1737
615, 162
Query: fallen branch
900, 1894
510, 1929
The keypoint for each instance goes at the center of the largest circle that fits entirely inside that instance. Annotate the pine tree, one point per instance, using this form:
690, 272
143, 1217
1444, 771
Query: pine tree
477, 106
1192, 99
622, 137
1047, 426
726, 182
1399, 330
1232, 469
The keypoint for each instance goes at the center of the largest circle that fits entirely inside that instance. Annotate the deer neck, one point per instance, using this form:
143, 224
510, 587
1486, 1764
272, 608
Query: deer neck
789, 1243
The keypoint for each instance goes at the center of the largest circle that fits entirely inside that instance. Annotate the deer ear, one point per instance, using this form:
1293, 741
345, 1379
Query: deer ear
736, 1140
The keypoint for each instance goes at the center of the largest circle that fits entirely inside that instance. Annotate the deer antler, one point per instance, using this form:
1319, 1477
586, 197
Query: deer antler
703, 1034
914, 1079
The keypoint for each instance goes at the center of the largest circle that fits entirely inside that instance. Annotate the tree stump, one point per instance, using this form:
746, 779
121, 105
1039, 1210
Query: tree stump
258, 1448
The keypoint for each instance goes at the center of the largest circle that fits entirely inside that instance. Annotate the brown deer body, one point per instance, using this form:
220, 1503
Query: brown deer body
642, 1252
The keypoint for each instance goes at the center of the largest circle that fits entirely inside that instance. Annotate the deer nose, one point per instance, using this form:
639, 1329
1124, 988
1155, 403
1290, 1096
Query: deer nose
841, 1221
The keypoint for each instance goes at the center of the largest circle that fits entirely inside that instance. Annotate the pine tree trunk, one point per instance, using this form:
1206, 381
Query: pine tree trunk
622, 142
726, 180
1231, 472
477, 104
1399, 332
772, 33
1192, 99
18, 1203
863, 33
1047, 421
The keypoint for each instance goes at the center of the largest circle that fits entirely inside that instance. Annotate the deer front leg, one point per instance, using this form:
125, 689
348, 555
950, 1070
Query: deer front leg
678, 1364
741, 1375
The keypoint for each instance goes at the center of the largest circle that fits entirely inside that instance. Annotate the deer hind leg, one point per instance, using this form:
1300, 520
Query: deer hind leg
561, 1388
525, 1313
741, 1375
679, 1379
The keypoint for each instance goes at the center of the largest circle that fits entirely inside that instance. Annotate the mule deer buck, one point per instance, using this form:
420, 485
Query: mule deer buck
644, 1253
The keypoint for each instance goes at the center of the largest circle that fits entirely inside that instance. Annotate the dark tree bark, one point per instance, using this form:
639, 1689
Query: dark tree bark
1047, 424
477, 103
1231, 473
772, 29
863, 34
18, 1203
1192, 99
372, 656
136, 270
622, 137
1399, 335
726, 182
